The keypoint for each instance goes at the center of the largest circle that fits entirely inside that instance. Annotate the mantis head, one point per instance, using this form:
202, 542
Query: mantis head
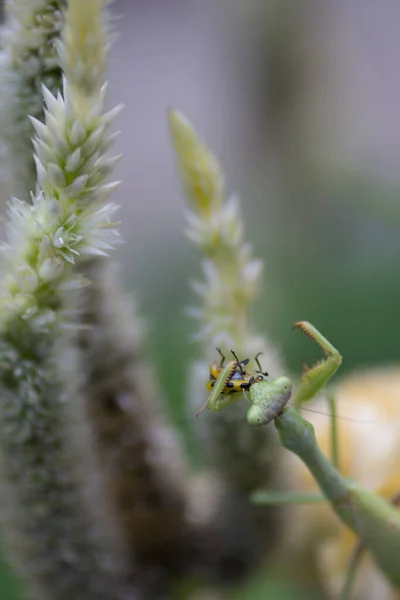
268, 398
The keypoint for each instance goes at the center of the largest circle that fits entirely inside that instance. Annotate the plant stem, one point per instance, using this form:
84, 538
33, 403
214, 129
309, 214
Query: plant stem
334, 432
351, 571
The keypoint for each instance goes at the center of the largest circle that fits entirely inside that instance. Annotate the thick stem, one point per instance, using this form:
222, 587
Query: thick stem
136, 445
59, 531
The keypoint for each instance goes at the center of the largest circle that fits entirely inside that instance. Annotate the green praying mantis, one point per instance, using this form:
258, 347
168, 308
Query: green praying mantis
375, 520
268, 397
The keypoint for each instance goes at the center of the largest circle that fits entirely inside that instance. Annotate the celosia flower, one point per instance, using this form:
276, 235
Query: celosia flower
231, 275
69, 217
67, 547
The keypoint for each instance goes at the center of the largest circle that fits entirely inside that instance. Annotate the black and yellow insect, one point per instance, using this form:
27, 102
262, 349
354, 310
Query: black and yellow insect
233, 374
226, 381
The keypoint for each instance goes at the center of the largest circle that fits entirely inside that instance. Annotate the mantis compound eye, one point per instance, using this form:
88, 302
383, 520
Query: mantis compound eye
255, 415
283, 384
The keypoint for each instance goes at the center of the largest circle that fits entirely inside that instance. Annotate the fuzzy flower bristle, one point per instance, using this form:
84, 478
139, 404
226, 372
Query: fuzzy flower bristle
27, 60
70, 216
200, 171
83, 49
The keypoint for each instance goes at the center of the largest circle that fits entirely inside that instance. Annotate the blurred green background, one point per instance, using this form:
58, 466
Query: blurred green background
299, 99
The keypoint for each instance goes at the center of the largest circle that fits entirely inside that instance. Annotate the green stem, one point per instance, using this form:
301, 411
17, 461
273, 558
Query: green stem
376, 522
351, 572
333, 427
355, 561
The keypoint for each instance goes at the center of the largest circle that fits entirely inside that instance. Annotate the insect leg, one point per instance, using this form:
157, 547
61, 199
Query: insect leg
202, 409
239, 364
222, 357
258, 362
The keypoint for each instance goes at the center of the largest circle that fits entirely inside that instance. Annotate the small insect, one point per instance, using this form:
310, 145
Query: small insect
238, 374
226, 381
240, 378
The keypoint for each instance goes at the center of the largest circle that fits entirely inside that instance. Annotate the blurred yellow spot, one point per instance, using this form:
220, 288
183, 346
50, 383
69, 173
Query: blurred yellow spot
199, 169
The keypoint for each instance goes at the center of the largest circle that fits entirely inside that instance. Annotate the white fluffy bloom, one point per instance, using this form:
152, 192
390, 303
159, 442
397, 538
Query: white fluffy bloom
70, 216
214, 224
